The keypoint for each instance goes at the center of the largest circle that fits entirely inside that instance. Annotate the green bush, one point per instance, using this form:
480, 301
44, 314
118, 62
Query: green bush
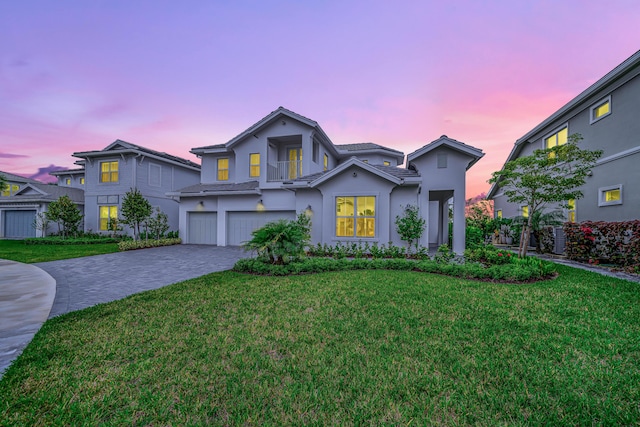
59, 240
282, 241
127, 245
474, 237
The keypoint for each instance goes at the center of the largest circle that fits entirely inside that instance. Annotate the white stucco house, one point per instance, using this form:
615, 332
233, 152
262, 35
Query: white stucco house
286, 164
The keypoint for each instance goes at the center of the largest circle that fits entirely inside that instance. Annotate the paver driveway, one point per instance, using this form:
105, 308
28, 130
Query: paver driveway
83, 282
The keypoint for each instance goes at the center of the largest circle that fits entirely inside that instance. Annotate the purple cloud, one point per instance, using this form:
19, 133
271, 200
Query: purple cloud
12, 156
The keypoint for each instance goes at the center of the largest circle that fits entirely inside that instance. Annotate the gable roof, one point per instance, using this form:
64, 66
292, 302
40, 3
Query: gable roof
631, 64
122, 147
17, 178
368, 147
40, 192
475, 153
275, 115
76, 171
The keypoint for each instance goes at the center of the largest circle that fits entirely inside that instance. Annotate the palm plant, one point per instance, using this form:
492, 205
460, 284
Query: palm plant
540, 220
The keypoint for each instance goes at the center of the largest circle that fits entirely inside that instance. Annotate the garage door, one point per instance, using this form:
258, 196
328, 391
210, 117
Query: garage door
241, 224
203, 228
19, 224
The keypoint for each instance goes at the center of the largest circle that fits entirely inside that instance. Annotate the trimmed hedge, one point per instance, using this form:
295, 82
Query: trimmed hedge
518, 270
598, 241
56, 240
128, 245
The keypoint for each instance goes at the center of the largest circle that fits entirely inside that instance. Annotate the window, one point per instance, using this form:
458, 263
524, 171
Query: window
326, 162
81, 181
355, 216
254, 164
295, 163
525, 211
155, 175
67, 181
316, 151
571, 212
442, 160
386, 163
107, 213
499, 214
223, 169
10, 189
557, 139
610, 195
600, 110
109, 171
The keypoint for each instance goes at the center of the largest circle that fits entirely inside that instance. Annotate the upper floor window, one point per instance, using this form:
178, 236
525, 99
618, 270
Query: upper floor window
356, 216
155, 175
525, 211
10, 189
386, 163
109, 171
442, 160
316, 151
600, 110
223, 169
557, 139
81, 181
608, 196
571, 212
499, 214
254, 164
67, 181
326, 162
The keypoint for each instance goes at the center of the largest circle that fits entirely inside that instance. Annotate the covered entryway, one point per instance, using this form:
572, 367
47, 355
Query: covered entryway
203, 228
241, 224
18, 224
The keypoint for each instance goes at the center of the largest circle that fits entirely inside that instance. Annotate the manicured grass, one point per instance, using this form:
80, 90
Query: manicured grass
343, 348
16, 250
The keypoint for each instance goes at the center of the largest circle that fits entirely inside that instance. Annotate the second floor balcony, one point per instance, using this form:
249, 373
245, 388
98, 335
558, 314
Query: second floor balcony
284, 171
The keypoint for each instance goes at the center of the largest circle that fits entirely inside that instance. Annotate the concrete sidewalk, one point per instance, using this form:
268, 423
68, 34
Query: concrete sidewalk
26, 297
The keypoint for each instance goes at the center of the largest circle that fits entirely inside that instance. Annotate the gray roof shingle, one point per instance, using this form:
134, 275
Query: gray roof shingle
230, 187
362, 146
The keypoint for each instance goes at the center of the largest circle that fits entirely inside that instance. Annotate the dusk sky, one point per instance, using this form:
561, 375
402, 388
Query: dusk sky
173, 75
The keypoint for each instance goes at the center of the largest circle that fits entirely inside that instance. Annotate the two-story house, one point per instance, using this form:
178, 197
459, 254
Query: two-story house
286, 164
606, 115
108, 174
23, 199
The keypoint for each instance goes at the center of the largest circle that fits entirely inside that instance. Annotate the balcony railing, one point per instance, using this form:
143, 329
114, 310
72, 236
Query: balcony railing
284, 171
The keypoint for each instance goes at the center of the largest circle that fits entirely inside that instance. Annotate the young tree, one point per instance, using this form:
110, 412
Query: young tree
157, 224
135, 210
539, 221
3, 182
66, 214
410, 226
551, 175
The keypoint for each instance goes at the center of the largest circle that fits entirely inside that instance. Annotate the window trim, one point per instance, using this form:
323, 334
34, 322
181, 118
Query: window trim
597, 105
107, 218
601, 195
254, 165
355, 216
218, 170
554, 132
110, 172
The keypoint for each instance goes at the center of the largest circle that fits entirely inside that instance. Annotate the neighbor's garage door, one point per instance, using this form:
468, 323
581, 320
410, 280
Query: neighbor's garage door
19, 224
203, 228
241, 224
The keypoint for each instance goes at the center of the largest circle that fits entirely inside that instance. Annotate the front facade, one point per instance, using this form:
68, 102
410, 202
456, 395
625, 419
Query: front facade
108, 174
606, 116
285, 164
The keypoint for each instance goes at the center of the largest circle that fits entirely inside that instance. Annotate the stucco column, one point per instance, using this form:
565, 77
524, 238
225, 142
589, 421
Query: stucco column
443, 232
458, 222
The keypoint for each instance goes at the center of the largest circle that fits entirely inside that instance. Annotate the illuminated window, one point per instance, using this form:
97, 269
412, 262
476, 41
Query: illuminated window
386, 163
10, 189
571, 212
81, 181
109, 171
610, 195
108, 217
254, 164
525, 211
600, 110
295, 162
356, 216
499, 214
326, 162
68, 181
223, 169
557, 139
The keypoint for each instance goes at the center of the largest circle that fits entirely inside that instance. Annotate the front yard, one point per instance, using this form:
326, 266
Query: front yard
16, 250
343, 348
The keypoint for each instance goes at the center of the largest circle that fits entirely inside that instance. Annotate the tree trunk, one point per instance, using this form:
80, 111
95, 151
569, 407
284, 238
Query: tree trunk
524, 238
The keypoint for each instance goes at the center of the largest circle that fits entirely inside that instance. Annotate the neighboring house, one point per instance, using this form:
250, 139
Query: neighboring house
285, 164
606, 115
19, 212
108, 174
73, 178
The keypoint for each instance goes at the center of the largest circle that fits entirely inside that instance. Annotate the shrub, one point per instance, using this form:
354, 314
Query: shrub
127, 245
59, 240
282, 241
474, 237
612, 242
410, 226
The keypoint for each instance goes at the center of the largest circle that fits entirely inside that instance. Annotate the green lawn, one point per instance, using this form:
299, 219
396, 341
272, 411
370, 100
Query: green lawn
16, 250
344, 348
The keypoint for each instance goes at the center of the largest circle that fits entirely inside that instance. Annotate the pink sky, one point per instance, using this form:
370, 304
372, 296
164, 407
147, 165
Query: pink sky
168, 75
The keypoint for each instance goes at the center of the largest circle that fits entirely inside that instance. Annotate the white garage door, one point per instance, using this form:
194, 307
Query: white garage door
19, 224
241, 224
203, 228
